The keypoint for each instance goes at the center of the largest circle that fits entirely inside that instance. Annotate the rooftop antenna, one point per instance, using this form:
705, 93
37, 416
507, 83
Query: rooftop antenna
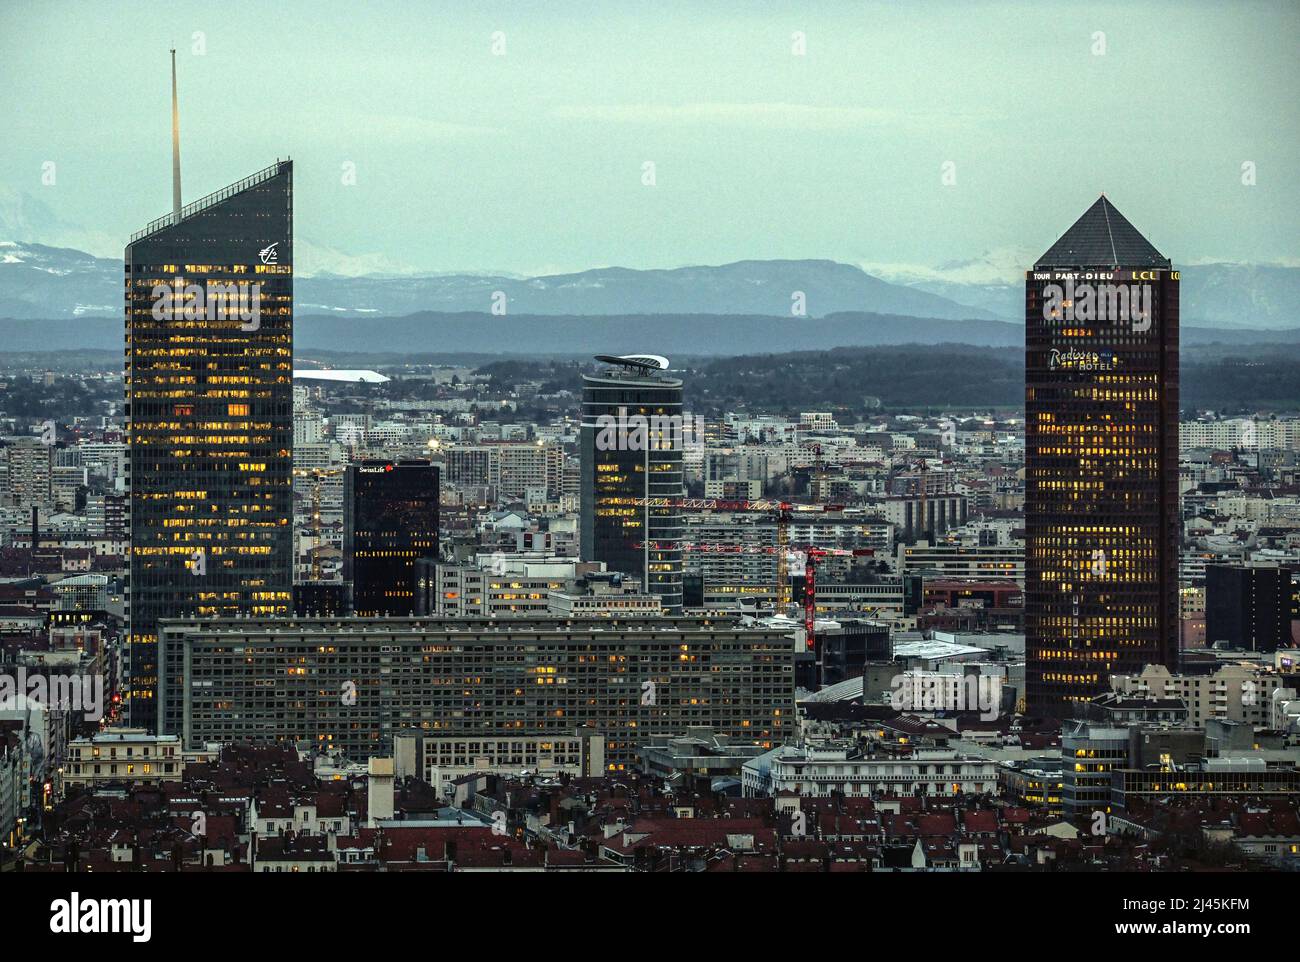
176, 147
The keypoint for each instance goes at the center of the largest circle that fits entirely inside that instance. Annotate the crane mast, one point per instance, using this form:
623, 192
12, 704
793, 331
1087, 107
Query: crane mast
783, 511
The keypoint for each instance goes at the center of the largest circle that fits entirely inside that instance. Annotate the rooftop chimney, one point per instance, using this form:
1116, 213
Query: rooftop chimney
379, 791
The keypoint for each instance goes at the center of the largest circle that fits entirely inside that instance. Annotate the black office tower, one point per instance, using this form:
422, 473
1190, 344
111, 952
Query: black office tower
209, 411
390, 521
1101, 462
1250, 607
632, 438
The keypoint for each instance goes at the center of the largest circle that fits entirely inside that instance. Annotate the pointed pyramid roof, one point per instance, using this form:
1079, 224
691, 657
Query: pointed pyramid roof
1102, 237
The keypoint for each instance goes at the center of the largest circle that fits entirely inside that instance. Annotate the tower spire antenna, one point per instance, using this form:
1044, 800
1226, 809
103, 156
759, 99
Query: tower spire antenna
176, 147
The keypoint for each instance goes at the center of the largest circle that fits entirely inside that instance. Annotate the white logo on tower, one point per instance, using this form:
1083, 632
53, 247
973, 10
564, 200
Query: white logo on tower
270, 255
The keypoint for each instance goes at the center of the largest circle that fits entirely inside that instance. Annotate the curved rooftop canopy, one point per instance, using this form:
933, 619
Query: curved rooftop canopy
645, 362
353, 377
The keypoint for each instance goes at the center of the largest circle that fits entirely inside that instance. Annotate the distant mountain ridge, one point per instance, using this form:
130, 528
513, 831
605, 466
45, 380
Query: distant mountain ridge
466, 332
776, 288
1225, 295
39, 281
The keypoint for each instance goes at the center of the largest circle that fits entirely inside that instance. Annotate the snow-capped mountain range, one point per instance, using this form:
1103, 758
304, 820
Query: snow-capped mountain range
45, 272
1213, 294
39, 281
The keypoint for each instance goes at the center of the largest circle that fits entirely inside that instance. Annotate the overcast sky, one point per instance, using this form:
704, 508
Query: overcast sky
534, 160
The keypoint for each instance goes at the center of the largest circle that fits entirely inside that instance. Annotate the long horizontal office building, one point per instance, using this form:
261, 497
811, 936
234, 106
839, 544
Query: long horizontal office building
504, 585
1230, 778
733, 555
447, 758
352, 683
1241, 693
1248, 433
964, 561
810, 770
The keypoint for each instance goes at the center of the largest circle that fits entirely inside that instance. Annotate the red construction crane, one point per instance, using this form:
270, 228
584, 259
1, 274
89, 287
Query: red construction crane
782, 509
812, 555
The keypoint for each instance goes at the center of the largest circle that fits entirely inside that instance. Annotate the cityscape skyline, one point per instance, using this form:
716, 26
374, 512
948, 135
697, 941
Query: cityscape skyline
985, 566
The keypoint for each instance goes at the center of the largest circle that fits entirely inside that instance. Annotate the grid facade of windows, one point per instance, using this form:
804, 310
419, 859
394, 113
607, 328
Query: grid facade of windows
1101, 464
353, 683
1090, 753
390, 521
1130, 785
639, 539
209, 406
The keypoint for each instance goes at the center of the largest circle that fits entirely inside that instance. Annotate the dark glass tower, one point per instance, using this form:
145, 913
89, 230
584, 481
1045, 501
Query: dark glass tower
1250, 607
209, 405
1101, 461
390, 521
632, 439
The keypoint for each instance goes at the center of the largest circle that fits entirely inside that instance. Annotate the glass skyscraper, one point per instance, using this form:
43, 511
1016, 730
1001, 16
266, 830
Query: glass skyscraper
209, 405
632, 438
390, 521
1101, 461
